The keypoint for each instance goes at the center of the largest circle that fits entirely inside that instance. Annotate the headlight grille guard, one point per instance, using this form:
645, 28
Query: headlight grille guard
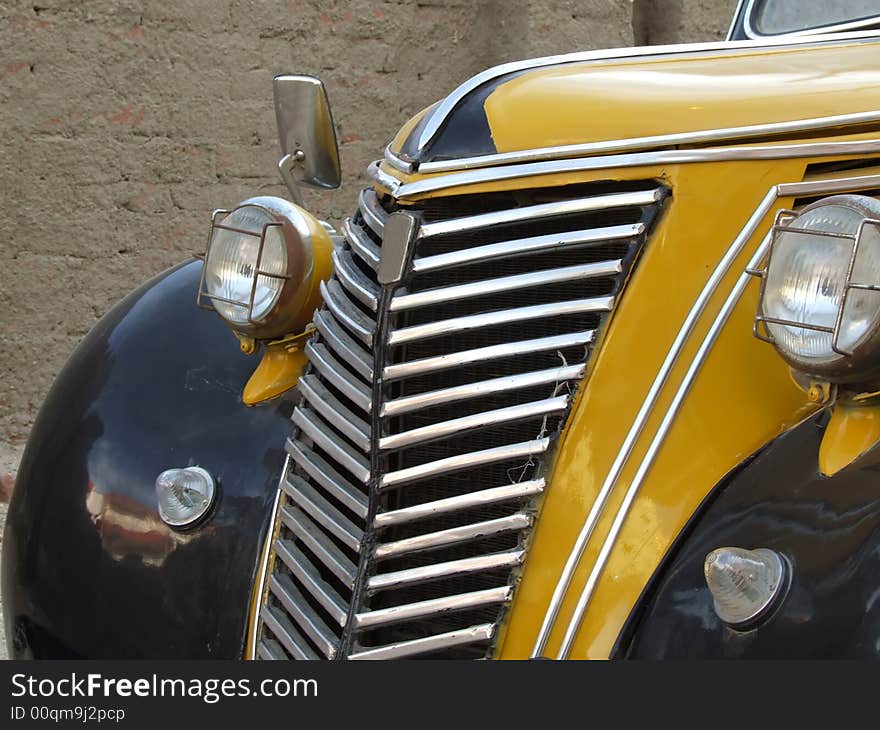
782, 224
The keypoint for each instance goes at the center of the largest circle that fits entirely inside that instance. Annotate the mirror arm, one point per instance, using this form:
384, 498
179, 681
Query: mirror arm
286, 166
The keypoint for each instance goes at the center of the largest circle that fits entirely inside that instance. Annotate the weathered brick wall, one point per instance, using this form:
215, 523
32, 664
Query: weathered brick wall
125, 123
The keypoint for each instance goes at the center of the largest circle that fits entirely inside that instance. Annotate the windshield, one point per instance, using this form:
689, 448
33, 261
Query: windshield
775, 17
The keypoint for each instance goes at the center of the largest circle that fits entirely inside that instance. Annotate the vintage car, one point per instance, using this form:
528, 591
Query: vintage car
593, 371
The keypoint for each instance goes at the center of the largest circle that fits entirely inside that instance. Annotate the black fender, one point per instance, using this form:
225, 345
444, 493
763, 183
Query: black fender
89, 568
828, 528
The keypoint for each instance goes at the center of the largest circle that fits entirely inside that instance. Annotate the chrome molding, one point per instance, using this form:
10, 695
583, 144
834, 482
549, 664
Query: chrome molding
453, 535
712, 284
438, 116
754, 34
407, 404
331, 369
396, 162
493, 352
477, 420
638, 159
344, 345
504, 316
460, 503
633, 144
264, 565
335, 484
542, 210
401, 302
425, 573
521, 246
403, 649
732, 27
463, 461
410, 611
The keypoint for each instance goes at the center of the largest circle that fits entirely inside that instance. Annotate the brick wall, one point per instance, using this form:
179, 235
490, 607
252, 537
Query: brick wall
125, 123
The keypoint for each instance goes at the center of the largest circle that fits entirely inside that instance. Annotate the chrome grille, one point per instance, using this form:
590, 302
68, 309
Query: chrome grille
427, 413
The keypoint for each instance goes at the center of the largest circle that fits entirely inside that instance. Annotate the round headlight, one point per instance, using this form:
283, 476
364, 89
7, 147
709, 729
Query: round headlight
260, 266
817, 311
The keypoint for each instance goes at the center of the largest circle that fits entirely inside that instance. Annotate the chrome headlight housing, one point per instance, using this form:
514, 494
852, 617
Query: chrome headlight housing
260, 266
820, 295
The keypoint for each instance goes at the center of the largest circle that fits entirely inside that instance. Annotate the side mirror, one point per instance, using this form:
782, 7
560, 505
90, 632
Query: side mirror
308, 138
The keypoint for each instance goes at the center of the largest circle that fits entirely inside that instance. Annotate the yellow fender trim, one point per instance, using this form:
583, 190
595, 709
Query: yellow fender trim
852, 432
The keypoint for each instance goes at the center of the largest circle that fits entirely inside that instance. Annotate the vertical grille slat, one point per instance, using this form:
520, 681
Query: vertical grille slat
327, 477
344, 345
315, 540
420, 440
321, 511
311, 580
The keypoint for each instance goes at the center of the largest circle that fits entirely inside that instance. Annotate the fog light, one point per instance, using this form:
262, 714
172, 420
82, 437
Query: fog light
744, 584
184, 495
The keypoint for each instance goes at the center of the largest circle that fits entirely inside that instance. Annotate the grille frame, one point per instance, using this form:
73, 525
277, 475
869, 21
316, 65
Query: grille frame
357, 369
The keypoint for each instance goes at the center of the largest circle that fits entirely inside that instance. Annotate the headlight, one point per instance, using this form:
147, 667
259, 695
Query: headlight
820, 298
260, 266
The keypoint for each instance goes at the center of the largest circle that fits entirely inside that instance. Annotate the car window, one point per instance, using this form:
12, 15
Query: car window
775, 17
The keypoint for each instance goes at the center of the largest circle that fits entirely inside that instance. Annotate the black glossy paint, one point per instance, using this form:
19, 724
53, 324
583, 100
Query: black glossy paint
828, 528
89, 569
465, 132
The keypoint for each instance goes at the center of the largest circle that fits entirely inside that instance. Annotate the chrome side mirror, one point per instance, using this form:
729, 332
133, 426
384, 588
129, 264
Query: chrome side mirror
308, 137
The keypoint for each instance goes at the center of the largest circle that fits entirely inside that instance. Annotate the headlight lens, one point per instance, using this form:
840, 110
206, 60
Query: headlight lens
263, 266
232, 262
818, 318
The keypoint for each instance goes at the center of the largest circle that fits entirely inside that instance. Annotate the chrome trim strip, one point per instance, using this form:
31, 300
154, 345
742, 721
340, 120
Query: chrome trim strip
315, 429
320, 357
732, 28
486, 287
437, 117
414, 647
525, 449
754, 34
307, 498
542, 210
347, 312
264, 561
503, 316
344, 345
287, 594
358, 285
382, 178
452, 536
492, 352
462, 502
334, 412
455, 426
636, 159
641, 418
432, 606
733, 252
301, 567
318, 543
522, 246
409, 403
648, 459
660, 141
285, 632
425, 573
329, 478
374, 214
360, 243
398, 163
